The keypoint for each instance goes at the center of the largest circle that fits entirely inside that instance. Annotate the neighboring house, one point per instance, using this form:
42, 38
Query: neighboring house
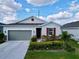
72, 28
1, 27
25, 29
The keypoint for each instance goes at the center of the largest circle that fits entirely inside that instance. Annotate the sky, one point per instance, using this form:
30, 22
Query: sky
59, 11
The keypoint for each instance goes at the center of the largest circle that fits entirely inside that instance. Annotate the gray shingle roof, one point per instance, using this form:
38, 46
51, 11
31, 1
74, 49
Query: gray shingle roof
49, 23
25, 24
2, 24
73, 24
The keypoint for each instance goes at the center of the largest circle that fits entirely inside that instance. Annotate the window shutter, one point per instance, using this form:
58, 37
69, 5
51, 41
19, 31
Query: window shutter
54, 32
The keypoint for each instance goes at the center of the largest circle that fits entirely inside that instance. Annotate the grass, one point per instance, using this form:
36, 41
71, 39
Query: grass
50, 55
55, 54
47, 42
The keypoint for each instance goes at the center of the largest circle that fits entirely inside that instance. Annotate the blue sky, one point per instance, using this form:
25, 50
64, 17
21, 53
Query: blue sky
46, 10
59, 11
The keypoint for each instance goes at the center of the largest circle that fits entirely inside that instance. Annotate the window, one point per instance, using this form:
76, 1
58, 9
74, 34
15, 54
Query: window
50, 31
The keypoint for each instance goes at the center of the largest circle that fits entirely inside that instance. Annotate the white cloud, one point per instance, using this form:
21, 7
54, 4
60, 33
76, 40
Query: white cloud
8, 9
28, 10
74, 6
66, 16
60, 15
77, 15
41, 2
12, 4
42, 17
9, 19
63, 17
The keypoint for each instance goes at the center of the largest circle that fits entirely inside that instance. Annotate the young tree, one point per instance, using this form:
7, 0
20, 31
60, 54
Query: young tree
66, 37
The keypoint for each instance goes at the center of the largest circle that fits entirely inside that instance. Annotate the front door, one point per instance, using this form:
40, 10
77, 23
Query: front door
38, 32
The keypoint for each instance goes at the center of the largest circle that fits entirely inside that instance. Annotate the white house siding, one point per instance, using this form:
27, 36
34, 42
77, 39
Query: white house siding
74, 31
51, 25
19, 27
36, 20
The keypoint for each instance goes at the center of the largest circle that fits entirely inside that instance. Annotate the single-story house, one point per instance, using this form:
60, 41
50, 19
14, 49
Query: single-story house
72, 28
25, 29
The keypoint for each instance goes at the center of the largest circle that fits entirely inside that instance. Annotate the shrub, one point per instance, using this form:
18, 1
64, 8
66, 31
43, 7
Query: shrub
73, 40
45, 38
69, 48
1, 37
46, 45
57, 45
34, 39
50, 38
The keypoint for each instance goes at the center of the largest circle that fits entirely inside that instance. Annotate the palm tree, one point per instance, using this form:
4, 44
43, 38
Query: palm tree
66, 37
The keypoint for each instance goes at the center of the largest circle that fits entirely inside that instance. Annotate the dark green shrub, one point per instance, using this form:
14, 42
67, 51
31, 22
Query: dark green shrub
57, 45
73, 40
69, 48
67, 37
45, 45
34, 39
1, 37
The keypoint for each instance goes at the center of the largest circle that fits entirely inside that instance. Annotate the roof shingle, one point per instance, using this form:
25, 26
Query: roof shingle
73, 24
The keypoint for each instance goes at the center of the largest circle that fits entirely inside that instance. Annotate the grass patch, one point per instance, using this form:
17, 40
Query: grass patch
50, 55
48, 42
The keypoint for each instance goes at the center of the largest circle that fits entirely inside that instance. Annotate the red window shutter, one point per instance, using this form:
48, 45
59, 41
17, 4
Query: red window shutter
54, 32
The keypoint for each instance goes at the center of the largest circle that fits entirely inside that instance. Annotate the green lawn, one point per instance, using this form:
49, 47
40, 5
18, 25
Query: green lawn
55, 55
51, 55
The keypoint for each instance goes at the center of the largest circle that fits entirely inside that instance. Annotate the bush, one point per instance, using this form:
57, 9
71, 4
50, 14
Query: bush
50, 38
46, 45
45, 38
34, 39
69, 48
1, 38
57, 45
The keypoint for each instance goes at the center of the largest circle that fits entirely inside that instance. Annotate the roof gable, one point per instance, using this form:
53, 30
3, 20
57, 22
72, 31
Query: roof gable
32, 20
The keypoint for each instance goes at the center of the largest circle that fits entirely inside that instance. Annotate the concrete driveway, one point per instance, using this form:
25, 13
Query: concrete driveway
14, 49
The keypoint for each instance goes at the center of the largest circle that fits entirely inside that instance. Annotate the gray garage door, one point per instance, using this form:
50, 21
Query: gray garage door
19, 34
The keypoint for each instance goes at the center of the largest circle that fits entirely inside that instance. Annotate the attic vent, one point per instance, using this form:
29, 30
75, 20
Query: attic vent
32, 19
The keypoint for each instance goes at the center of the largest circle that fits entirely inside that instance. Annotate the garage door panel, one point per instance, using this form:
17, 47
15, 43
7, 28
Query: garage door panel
19, 34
